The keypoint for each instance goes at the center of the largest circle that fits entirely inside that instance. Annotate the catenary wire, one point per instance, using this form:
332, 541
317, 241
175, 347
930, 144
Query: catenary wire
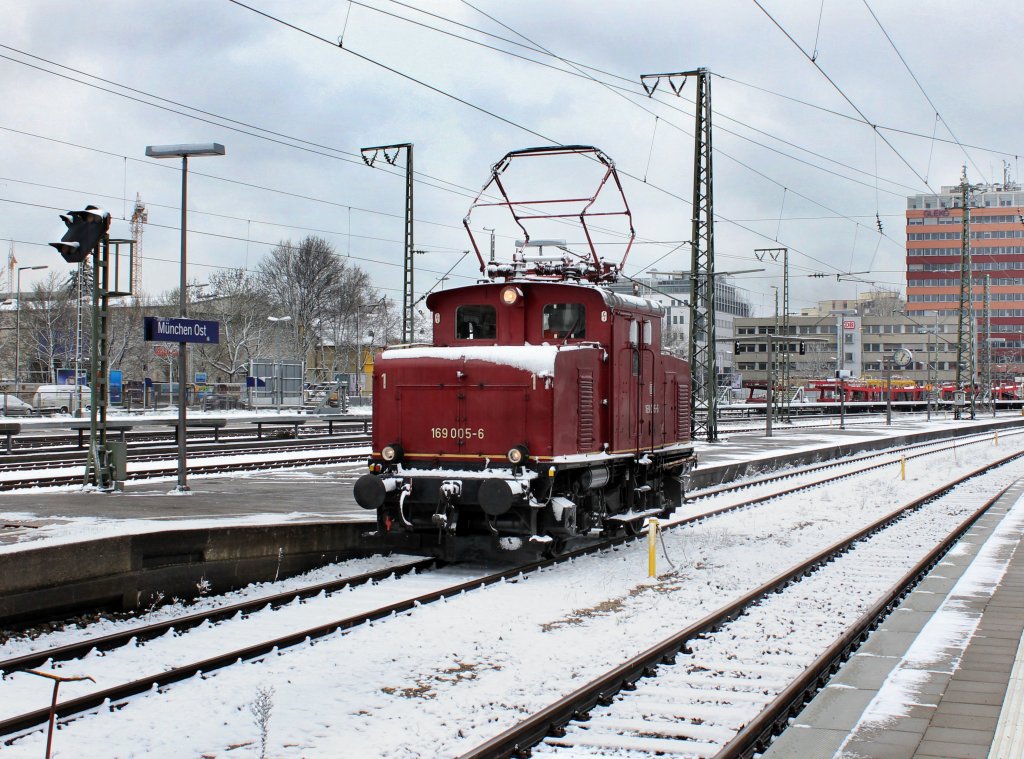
842, 94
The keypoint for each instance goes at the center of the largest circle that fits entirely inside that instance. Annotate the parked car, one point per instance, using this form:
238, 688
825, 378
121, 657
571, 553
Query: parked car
61, 399
12, 405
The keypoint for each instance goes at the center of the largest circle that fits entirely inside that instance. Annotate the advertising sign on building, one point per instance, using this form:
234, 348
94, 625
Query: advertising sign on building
67, 377
116, 387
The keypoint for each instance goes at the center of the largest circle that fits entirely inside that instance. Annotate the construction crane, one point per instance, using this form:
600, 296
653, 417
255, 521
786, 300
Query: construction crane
139, 217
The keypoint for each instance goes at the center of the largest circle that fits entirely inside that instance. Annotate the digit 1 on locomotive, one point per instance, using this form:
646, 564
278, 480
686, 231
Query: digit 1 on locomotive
544, 407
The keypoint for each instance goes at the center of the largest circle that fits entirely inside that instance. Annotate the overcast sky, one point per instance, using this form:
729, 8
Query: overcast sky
796, 163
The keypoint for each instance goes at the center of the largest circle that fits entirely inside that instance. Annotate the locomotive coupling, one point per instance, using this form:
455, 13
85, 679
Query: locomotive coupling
371, 490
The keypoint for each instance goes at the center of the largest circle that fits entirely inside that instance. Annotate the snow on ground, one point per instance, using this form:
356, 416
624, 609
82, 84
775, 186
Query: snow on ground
22, 644
446, 676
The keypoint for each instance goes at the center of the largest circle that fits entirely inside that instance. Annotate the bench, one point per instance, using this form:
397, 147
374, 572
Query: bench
112, 426
280, 421
333, 419
9, 429
200, 423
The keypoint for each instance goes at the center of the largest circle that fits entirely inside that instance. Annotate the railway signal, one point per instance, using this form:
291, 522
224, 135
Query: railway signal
88, 232
85, 230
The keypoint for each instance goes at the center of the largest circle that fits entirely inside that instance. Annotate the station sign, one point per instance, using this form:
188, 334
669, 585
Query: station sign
174, 330
849, 324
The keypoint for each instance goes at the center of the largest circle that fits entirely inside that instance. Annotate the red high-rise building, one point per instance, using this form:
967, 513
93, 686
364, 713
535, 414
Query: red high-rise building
934, 226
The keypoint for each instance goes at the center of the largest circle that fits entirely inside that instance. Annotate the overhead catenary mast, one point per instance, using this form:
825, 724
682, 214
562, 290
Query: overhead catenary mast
704, 398
966, 324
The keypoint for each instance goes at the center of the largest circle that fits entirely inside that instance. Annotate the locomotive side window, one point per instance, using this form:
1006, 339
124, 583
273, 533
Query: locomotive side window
565, 320
476, 323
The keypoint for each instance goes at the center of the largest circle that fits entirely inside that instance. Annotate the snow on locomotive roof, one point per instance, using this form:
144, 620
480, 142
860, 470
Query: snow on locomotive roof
632, 301
536, 359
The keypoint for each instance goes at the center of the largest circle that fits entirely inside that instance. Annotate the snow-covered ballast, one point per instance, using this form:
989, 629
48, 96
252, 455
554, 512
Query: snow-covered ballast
543, 410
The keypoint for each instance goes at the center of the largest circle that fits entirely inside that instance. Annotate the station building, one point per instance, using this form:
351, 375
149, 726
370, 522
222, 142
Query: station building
870, 330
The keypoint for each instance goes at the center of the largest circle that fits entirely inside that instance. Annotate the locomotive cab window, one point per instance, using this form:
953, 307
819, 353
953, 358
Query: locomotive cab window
476, 323
565, 321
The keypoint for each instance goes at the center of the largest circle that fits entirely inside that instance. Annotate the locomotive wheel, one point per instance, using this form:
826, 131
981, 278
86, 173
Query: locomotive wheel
555, 548
633, 527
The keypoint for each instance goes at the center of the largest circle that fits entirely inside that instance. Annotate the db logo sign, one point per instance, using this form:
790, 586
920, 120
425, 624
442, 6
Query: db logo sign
849, 324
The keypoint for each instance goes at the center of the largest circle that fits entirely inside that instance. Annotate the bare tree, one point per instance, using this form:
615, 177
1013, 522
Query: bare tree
303, 281
48, 325
237, 301
127, 351
357, 308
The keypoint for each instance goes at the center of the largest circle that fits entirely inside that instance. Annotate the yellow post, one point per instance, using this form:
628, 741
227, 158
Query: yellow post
652, 546
903, 467
996, 437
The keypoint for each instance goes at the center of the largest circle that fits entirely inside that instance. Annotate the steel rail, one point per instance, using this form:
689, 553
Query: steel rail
150, 432
47, 457
520, 738
30, 454
187, 621
980, 437
755, 736
114, 695
194, 469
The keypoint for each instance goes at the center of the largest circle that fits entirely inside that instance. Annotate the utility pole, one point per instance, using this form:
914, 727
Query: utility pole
390, 153
704, 398
966, 323
986, 316
773, 372
781, 327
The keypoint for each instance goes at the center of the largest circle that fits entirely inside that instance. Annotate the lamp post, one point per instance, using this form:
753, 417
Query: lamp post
17, 330
183, 152
359, 363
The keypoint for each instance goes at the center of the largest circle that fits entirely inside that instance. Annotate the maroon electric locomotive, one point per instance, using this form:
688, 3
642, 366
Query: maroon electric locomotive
544, 407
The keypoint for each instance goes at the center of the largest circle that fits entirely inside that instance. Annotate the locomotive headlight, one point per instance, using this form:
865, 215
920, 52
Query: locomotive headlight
510, 295
517, 455
391, 453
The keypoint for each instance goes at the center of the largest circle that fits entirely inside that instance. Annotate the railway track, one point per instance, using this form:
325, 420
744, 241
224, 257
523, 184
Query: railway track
880, 458
727, 684
151, 432
42, 479
115, 696
13, 727
179, 624
163, 451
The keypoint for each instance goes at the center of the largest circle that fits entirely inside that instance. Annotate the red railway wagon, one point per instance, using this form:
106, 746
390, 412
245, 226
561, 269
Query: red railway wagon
850, 391
543, 409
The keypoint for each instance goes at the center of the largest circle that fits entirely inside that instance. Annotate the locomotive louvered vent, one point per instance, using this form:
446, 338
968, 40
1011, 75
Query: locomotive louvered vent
682, 412
585, 432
